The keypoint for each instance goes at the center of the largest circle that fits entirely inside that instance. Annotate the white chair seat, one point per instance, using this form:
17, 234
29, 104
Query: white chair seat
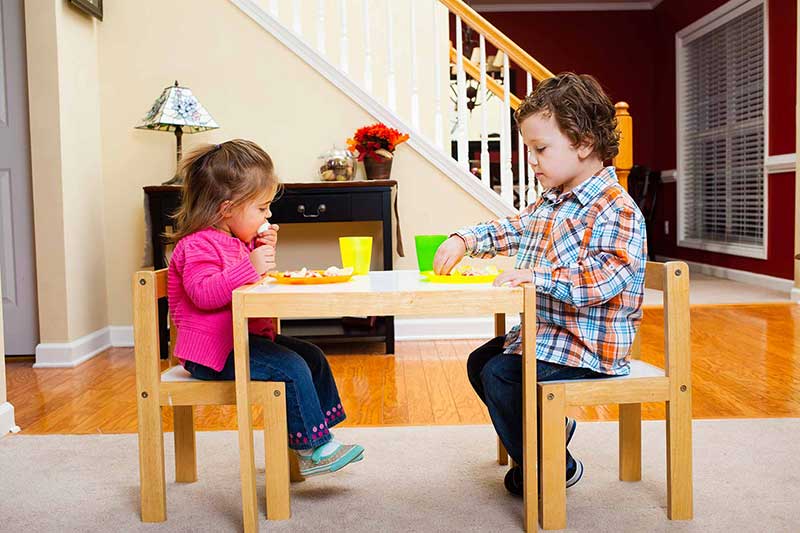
175, 374
639, 369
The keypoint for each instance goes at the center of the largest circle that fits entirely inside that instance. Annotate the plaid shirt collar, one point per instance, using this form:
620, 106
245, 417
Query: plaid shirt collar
586, 191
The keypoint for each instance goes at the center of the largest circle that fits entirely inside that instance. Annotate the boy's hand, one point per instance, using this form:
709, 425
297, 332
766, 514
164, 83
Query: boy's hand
269, 237
263, 259
514, 277
448, 255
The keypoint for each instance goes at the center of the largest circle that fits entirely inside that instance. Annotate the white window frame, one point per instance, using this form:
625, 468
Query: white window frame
711, 21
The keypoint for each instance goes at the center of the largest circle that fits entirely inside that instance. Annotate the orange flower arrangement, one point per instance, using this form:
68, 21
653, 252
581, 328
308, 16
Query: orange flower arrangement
377, 141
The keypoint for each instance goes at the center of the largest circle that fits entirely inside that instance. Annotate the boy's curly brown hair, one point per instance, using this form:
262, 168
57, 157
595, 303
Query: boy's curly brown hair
582, 110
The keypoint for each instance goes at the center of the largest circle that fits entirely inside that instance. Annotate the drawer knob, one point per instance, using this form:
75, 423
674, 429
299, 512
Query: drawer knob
302, 210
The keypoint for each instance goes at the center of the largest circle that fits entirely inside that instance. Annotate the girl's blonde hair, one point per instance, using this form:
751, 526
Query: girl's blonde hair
236, 171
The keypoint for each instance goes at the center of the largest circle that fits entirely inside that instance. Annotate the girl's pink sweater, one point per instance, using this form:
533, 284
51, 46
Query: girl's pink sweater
205, 268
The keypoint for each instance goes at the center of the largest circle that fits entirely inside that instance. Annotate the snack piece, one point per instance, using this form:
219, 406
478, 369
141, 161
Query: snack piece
263, 227
329, 272
468, 270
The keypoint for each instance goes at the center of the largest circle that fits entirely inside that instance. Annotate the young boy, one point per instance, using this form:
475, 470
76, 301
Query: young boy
582, 244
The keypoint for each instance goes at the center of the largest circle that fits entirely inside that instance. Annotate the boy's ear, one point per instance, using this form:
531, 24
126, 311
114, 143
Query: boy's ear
586, 147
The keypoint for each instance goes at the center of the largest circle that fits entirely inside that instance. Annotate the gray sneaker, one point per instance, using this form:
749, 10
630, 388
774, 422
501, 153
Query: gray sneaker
315, 464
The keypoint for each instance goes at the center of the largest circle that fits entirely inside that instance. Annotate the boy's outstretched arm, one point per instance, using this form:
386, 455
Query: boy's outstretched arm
500, 236
615, 254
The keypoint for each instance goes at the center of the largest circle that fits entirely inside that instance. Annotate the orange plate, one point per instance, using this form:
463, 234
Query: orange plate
280, 278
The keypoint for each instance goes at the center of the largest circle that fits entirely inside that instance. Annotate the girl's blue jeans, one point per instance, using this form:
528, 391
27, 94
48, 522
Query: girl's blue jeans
313, 405
497, 378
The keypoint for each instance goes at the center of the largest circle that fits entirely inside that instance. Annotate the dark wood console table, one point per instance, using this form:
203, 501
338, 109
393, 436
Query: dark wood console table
349, 201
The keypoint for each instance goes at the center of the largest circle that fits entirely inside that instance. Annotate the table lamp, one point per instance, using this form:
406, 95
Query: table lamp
177, 110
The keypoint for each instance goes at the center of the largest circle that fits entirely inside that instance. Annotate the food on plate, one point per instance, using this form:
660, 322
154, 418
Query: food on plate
468, 270
306, 273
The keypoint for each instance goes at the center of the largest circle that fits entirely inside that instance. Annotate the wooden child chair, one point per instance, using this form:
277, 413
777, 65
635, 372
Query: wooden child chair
175, 388
646, 383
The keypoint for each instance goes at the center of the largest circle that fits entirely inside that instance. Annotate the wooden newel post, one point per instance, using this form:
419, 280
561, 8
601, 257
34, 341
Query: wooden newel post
624, 159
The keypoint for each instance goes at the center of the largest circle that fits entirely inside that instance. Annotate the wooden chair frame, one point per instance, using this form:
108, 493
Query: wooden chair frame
674, 388
154, 392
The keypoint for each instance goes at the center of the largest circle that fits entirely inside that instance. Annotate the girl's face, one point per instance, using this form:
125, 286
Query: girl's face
551, 155
243, 221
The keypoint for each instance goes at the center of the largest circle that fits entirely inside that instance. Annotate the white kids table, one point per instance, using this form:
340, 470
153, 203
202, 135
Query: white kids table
395, 293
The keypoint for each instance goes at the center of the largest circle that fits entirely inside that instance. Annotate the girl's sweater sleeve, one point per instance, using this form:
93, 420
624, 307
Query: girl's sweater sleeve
206, 279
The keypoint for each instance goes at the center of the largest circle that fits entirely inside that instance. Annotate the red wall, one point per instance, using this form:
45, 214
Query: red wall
632, 53
670, 17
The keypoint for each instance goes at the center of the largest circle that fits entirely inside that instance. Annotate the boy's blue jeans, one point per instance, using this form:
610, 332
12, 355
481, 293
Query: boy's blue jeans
312, 400
497, 378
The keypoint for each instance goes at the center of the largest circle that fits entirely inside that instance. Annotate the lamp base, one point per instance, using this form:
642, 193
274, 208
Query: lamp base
175, 180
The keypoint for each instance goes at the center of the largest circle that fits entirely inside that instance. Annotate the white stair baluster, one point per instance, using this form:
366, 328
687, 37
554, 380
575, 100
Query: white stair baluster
297, 25
367, 48
414, 87
437, 78
533, 184
344, 51
486, 171
462, 140
391, 81
321, 27
506, 168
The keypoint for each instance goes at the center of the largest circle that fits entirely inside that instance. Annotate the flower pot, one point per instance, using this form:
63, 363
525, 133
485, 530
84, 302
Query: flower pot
378, 168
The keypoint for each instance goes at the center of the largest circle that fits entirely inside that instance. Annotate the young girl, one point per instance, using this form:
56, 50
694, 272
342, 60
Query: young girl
227, 193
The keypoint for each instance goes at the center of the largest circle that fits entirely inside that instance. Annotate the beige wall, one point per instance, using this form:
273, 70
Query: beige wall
255, 88
66, 151
92, 82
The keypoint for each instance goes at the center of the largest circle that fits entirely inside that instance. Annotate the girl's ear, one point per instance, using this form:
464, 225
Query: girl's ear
225, 209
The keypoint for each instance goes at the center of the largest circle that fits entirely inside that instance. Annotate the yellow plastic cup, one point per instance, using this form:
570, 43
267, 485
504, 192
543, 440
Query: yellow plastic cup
356, 253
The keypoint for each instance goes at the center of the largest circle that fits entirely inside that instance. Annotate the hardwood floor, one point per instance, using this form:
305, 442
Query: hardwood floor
746, 363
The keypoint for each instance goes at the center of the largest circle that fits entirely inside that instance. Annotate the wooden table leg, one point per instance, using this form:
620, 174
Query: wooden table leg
529, 445
244, 415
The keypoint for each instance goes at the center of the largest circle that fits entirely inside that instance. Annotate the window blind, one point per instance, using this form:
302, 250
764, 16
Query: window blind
722, 107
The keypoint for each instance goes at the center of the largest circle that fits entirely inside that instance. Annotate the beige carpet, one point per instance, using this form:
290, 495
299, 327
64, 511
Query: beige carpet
747, 478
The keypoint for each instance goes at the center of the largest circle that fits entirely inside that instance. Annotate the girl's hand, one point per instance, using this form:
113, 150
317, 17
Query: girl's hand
514, 277
448, 255
269, 237
263, 259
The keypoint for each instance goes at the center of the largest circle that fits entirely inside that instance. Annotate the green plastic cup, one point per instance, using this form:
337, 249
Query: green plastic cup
426, 250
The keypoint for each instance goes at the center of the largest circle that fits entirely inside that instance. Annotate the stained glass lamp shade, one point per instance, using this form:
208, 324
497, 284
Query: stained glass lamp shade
178, 110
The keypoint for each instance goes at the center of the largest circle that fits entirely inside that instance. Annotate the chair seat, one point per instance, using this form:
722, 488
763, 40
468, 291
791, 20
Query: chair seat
176, 374
639, 369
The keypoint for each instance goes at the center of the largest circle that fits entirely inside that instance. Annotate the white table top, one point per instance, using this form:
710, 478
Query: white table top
380, 281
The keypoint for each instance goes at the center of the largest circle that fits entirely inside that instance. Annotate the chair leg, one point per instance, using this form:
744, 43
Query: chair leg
553, 457
502, 454
276, 459
630, 442
679, 460
185, 447
294, 468
152, 483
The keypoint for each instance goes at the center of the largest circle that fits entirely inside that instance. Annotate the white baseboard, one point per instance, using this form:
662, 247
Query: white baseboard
7, 424
795, 294
769, 282
425, 329
121, 336
71, 354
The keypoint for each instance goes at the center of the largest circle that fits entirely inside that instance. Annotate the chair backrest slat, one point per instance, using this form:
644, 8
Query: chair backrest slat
148, 286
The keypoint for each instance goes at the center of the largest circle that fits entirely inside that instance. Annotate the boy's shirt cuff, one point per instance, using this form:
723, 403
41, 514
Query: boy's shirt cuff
542, 278
469, 238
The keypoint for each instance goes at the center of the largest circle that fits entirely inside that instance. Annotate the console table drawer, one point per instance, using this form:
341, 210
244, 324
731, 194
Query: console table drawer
312, 208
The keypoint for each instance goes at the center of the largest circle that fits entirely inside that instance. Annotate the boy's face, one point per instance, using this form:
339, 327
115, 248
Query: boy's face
551, 155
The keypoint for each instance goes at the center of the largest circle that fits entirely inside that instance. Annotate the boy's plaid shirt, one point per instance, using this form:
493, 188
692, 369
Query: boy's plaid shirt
587, 251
